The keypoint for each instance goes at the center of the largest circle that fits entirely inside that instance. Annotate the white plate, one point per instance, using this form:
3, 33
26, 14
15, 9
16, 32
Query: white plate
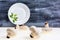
22, 11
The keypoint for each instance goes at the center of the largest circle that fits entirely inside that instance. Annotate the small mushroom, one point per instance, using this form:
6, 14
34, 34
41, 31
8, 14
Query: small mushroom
34, 33
10, 33
46, 25
21, 27
46, 28
17, 26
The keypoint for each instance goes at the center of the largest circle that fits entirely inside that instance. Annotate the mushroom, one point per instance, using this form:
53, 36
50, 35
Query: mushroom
21, 27
46, 28
34, 33
46, 25
10, 33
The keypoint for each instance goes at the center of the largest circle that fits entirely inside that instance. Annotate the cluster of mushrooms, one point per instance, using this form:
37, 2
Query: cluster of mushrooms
33, 31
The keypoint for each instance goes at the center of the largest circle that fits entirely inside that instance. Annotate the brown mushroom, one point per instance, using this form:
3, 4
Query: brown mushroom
10, 33
33, 34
